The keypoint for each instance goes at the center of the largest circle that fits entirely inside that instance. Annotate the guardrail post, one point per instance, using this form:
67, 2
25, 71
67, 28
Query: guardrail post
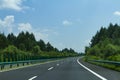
17, 64
23, 64
2, 67
27, 63
10, 65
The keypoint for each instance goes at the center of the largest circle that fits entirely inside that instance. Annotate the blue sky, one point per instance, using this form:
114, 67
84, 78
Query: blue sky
64, 23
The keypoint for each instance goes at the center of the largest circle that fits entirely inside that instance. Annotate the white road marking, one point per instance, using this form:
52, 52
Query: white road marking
50, 68
96, 74
32, 78
57, 64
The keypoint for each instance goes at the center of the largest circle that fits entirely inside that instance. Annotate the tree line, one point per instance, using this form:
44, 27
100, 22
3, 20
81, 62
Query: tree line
105, 44
26, 47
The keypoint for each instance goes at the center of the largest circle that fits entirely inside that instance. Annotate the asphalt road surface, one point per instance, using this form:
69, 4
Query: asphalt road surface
66, 69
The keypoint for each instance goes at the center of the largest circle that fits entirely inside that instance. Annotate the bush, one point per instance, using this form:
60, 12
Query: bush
11, 53
114, 58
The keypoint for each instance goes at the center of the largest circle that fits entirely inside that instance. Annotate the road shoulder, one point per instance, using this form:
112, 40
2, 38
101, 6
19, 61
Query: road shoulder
109, 74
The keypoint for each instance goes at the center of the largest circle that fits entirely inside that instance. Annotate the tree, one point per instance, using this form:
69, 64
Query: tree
22, 47
105, 43
11, 39
36, 50
65, 50
56, 50
100, 36
42, 45
71, 50
27, 39
25, 47
3, 41
49, 47
10, 53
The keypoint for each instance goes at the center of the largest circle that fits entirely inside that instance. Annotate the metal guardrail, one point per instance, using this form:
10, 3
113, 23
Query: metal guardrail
18, 63
107, 62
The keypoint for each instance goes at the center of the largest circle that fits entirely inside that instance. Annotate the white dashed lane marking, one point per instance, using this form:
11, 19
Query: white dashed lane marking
32, 78
57, 64
50, 68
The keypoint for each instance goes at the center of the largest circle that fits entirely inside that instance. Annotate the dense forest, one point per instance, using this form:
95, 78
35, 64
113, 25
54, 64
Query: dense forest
105, 44
25, 47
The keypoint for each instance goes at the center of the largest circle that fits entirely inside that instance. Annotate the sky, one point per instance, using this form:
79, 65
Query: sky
63, 23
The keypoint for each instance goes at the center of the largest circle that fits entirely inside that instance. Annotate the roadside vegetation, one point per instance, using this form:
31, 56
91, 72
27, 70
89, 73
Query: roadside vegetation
105, 45
25, 47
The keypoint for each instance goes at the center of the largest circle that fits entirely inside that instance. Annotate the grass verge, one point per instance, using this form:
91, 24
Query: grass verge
109, 66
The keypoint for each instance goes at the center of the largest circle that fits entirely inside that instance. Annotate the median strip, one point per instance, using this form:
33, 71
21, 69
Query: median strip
96, 74
30, 65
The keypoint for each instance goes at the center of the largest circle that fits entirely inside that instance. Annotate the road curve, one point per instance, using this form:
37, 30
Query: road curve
67, 69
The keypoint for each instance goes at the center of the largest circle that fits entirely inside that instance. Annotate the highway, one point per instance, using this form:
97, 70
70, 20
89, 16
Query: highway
66, 69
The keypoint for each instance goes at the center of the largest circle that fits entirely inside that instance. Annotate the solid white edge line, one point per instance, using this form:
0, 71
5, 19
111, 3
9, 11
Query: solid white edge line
32, 78
96, 74
50, 68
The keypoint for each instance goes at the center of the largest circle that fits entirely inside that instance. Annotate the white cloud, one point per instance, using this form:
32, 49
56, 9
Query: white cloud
117, 13
12, 4
24, 27
7, 23
66, 23
37, 32
39, 35
8, 20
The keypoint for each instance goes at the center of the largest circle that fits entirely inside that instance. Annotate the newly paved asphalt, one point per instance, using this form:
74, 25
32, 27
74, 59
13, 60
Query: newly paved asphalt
67, 69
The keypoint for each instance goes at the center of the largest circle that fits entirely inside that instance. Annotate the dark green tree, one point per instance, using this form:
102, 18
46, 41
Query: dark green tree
49, 47
27, 39
11, 39
42, 45
3, 41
